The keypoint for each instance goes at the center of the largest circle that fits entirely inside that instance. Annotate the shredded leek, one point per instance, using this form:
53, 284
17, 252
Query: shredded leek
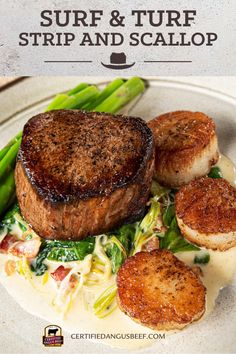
158, 191
93, 260
23, 268
69, 288
45, 278
145, 229
116, 242
100, 259
106, 302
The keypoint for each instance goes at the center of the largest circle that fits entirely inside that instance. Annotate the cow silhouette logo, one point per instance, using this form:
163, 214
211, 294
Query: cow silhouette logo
53, 336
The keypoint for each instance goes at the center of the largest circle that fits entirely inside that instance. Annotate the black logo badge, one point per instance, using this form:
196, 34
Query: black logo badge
53, 336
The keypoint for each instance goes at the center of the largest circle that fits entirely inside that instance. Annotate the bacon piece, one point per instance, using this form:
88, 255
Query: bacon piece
7, 242
60, 273
28, 249
152, 244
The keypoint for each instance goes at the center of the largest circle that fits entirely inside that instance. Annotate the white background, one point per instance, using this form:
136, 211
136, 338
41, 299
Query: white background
24, 16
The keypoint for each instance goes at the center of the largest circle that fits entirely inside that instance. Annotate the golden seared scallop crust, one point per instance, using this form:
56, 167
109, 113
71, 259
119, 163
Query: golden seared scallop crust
206, 213
159, 291
186, 146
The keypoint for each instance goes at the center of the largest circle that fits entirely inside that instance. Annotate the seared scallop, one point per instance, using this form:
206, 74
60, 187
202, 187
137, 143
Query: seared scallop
186, 147
206, 213
159, 291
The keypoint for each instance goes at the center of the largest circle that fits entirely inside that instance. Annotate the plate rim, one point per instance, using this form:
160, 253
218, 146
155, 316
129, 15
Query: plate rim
208, 91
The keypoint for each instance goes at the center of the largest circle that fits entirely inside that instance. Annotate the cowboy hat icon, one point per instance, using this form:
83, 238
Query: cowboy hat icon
118, 62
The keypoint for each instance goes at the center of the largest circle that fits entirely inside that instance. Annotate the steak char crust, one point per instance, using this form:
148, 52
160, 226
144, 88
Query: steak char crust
81, 173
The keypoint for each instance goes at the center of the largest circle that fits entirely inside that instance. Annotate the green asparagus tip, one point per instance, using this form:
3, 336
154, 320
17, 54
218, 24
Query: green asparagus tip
122, 96
8, 161
78, 100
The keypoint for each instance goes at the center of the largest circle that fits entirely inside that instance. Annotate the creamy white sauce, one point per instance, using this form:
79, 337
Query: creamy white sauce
80, 319
217, 274
38, 300
15, 230
228, 169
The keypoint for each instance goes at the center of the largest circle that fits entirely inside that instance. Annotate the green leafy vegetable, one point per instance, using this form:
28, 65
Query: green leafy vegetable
67, 251
174, 241
10, 218
119, 245
202, 258
62, 251
168, 214
215, 172
38, 266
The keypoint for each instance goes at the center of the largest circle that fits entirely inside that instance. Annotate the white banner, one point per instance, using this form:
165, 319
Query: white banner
99, 37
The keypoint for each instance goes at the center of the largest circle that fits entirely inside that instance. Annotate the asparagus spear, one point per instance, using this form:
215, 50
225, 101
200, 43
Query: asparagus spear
7, 189
80, 98
12, 199
4, 151
123, 95
106, 92
6, 148
77, 89
57, 101
7, 163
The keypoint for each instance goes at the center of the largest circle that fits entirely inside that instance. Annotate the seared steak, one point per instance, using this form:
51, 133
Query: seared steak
81, 173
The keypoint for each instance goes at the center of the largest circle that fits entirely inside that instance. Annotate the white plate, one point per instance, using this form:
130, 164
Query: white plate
21, 332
